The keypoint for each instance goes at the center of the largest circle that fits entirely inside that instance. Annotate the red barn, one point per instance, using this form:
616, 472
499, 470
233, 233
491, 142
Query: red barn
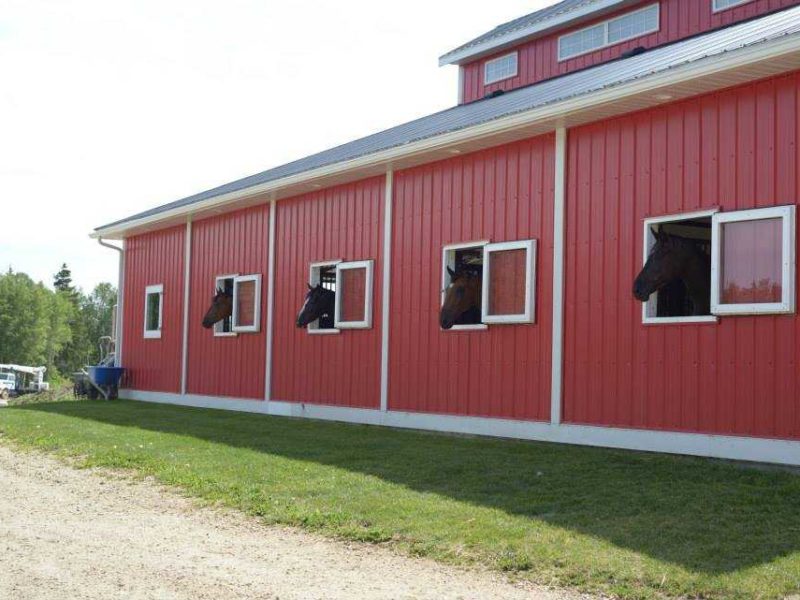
590, 137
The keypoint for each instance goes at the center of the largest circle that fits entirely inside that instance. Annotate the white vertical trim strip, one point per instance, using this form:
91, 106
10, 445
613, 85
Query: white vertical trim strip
559, 222
187, 271
386, 287
120, 308
460, 85
270, 299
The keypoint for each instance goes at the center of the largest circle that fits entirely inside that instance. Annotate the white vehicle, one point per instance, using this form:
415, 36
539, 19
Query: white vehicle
8, 383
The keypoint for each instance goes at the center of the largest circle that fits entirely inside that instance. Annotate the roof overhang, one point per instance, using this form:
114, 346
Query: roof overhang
702, 76
469, 53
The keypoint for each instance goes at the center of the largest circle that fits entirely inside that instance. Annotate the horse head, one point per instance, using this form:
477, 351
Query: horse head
318, 302
461, 296
221, 308
674, 258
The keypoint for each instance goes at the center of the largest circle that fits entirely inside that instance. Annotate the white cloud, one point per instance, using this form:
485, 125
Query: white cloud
109, 108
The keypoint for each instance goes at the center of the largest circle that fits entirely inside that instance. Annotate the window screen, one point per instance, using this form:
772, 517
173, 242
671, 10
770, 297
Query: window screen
500, 68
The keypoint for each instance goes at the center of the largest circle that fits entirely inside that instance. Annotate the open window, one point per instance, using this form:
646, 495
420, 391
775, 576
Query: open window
246, 303
674, 303
456, 258
354, 295
324, 274
753, 262
224, 327
508, 282
153, 310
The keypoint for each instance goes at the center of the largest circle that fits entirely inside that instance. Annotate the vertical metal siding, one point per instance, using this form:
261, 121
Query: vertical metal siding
538, 59
734, 149
150, 259
235, 242
343, 369
501, 194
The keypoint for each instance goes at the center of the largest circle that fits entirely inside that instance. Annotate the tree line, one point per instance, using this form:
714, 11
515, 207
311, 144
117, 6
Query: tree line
57, 328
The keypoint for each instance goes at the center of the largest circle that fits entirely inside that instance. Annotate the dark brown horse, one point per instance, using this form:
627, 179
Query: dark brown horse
221, 308
462, 298
319, 304
674, 259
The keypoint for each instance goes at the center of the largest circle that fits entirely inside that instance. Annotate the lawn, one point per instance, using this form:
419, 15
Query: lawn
632, 524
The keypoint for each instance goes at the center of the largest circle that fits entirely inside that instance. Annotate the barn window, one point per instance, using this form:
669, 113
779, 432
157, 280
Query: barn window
614, 31
498, 69
508, 282
673, 303
224, 328
353, 295
153, 310
457, 257
719, 5
753, 261
323, 273
246, 303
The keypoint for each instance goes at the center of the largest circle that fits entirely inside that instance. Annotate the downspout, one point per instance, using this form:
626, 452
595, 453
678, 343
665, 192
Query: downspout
120, 298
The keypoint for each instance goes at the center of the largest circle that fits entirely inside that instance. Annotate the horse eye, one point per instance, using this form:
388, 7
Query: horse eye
460, 292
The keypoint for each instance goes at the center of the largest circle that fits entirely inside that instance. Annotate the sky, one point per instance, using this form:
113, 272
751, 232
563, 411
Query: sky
110, 107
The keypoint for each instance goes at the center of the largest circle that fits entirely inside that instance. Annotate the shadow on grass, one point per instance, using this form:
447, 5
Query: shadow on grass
704, 515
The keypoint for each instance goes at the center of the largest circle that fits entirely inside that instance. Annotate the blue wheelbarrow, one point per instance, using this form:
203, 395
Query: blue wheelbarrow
104, 381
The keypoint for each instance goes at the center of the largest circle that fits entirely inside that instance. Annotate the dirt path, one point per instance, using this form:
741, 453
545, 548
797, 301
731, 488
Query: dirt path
67, 533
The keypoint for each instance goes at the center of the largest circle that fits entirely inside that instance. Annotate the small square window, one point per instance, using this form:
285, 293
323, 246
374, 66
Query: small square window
224, 327
353, 295
509, 282
323, 274
247, 303
498, 69
153, 310
753, 261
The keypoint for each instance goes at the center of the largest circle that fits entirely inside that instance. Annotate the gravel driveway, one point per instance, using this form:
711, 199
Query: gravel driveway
67, 533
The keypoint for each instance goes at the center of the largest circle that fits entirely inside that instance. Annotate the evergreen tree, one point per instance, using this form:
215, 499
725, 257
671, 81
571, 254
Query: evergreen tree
62, 281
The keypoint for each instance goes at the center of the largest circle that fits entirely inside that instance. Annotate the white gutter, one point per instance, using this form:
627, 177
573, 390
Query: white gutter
120, 298
557, 112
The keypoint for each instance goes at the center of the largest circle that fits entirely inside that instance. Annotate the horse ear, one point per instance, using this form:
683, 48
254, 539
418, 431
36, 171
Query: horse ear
658, 234
451, 272
310, 287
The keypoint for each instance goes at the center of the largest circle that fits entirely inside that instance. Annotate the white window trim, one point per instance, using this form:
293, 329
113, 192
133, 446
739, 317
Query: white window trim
255, 327
313, 279
787, 303
149, 291
217, 326
650, 308
487, 81
448, 260
605, 24
530, 282
367, 322
716, 9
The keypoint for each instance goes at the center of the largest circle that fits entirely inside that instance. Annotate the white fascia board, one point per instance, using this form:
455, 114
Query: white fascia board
555, 113
512, 37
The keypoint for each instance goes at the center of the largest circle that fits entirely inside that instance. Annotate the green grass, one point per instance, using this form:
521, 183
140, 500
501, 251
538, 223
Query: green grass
632, 524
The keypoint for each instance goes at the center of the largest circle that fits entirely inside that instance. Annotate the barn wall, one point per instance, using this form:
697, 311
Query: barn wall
234, 243
150, 259
735, 149
500, 194
345, 223
538, 59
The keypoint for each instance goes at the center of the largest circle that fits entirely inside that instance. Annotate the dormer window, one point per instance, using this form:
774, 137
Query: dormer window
614, 31
498, 69
719, 5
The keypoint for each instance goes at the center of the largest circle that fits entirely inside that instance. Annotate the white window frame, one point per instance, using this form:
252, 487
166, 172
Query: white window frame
488, 81
218, 325
313, 279
716, 8
151, 290
605, 25
787, 303
530, 282
367, 322
449, 260
650, 308
255, 327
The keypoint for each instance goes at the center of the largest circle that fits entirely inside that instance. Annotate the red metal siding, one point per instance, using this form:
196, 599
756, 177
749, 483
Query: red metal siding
500, 194
345, 223
735, 149
233, 243
538, 59
151, 259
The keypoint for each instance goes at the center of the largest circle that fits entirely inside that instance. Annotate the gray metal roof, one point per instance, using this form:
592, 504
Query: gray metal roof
559, 9
581, 83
